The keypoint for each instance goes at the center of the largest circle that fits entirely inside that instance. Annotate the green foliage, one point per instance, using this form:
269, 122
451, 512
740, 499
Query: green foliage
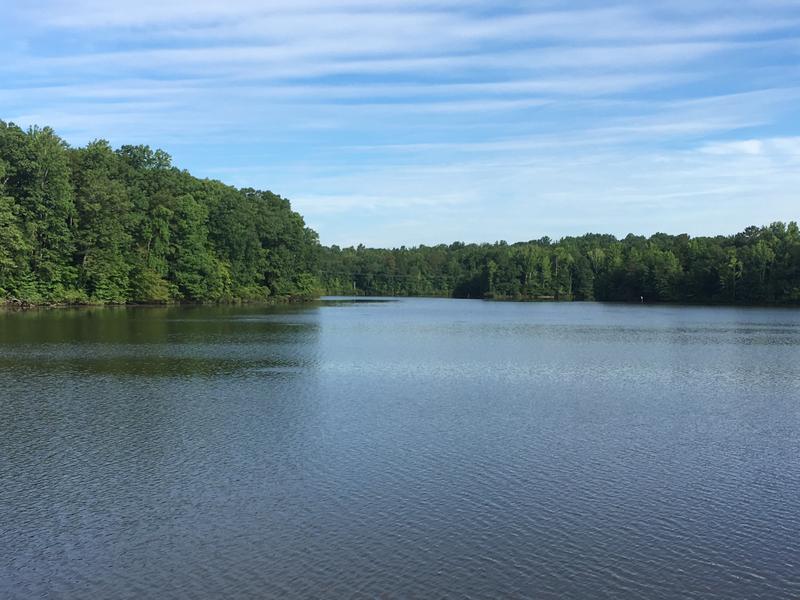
98, 225
13, 248
757, 266
95, 225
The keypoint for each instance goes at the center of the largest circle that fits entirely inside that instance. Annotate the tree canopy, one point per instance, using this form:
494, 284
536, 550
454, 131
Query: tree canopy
760, 265
99, 225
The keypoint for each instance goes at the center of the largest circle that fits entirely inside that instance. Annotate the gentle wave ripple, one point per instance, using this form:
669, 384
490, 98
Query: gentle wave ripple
419, 448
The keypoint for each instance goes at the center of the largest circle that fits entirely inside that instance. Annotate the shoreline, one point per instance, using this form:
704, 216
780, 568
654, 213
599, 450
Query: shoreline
16, 305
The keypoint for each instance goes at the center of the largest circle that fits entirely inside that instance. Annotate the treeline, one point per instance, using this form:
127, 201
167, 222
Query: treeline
99, 225
761, 265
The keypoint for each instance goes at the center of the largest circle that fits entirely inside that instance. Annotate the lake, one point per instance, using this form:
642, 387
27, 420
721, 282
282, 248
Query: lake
425, 448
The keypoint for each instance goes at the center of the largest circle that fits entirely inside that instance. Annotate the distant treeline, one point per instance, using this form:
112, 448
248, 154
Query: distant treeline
100, 225
761, 265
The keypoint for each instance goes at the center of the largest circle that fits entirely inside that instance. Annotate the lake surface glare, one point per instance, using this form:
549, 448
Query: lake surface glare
414, 448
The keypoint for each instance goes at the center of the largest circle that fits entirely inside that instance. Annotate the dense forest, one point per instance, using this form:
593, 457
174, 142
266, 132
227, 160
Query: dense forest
757, 266
97, 225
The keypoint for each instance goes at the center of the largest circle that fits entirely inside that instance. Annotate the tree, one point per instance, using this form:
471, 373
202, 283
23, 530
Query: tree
13, 245
103, 234
41, 188
731, 273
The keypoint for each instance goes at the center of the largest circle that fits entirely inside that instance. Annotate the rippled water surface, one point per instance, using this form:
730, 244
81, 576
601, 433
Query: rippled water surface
411, 448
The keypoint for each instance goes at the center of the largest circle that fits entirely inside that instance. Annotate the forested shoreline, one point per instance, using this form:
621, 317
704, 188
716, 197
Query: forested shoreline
94, 225
759, 266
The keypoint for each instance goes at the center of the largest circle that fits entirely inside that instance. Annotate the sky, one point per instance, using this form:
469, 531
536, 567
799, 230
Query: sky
390, 122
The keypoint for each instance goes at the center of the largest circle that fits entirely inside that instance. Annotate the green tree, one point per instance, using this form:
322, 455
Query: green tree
731, 273
104, 224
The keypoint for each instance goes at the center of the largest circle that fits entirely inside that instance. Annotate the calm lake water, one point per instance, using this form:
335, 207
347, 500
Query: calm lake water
410, 448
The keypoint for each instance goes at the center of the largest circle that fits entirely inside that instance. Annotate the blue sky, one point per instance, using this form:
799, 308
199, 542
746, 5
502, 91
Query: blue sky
394, 122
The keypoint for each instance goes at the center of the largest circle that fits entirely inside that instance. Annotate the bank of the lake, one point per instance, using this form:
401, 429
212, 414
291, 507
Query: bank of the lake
18, 304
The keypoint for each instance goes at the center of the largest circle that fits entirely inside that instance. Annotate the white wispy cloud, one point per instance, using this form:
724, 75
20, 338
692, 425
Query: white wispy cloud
781, 149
